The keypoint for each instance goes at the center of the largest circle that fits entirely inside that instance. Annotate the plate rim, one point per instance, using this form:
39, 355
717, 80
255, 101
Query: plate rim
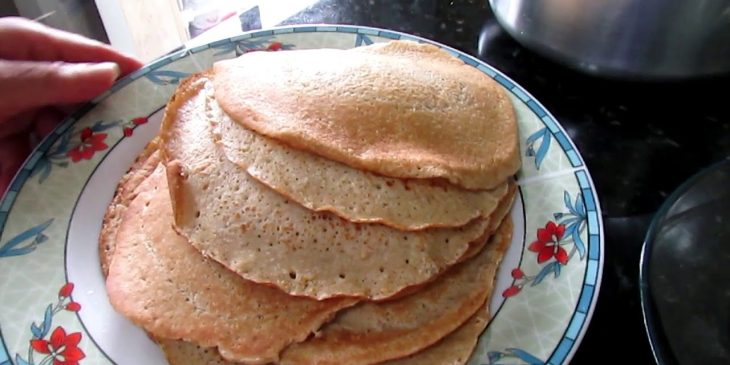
23, 174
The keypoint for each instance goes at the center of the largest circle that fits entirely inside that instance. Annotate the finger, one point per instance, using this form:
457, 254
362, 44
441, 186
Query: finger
46, 121
23, 39
26, 85
20, 123
13, 151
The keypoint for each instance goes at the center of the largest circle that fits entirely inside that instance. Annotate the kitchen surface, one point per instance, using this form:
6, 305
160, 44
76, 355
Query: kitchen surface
640, 138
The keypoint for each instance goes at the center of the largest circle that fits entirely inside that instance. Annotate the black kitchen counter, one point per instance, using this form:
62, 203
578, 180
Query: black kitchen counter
640, 140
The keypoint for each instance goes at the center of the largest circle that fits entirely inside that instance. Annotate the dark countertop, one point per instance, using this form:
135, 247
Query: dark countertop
640, 140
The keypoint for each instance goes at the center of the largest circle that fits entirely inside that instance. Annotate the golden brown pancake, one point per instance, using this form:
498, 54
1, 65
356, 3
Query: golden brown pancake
374, 332
454, 349
265, 237
399, 109
358, 196
127, 190
423, 328
161, 283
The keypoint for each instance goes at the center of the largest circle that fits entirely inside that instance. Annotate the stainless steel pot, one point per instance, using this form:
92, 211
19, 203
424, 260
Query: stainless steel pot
626, 38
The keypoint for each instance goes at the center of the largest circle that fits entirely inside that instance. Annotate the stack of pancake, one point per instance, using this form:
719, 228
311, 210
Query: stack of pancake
318, 207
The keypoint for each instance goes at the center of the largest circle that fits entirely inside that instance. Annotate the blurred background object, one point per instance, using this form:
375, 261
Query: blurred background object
77, 16
625, 38
151, 28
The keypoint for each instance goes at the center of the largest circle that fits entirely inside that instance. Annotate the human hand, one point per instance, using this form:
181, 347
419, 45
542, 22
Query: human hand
43, 72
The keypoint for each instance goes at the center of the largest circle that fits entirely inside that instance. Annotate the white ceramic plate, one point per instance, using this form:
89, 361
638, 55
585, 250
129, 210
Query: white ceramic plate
52, 289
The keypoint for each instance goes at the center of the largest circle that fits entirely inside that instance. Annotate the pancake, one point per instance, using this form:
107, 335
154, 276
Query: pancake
267, 238
374, 332
399, 109
355, 195
454, 349
423, 328
162, 284
127, 190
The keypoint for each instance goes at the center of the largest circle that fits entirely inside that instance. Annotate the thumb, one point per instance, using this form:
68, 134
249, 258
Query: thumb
26, 85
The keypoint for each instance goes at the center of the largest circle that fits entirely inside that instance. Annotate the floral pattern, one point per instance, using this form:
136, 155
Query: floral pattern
550, 245
90, 143
166, 77
543, 135
81, 145
60, 348
510, 355
25, 242
252, 45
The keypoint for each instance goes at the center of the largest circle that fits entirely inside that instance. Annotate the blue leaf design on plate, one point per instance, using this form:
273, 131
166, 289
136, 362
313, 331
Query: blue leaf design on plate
63, 145
535, 136
46, 171
568, 203
36, 331
570, 226
362, 39
580, 207
543, 149
9, 248
543, 135
579, 245
166, 77
20, 361
525, 356
556, 270
47, 320
494, 356
100, 126
544, 271
224, 48
40, 238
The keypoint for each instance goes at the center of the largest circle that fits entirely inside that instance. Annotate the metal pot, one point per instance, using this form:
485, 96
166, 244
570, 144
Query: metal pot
625, 38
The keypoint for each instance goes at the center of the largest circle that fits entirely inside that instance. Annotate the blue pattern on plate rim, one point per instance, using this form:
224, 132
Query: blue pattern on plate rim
583, 208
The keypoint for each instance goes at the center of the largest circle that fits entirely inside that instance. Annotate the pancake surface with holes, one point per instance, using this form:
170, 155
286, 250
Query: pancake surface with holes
453, 349
161, 283
403, 109
127, 189
266, 238
355, 195
374, 332
423, 328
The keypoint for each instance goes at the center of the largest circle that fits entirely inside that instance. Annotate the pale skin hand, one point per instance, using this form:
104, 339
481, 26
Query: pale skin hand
44, 71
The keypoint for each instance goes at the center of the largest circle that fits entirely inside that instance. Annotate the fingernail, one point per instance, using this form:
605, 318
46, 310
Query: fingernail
105, 68
113, 66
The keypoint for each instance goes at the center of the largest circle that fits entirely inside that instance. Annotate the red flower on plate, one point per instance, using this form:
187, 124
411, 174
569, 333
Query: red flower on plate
66, 290
511, 291
547, 245
90, 143
274, 46
73, 307
62, 348
139, 120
